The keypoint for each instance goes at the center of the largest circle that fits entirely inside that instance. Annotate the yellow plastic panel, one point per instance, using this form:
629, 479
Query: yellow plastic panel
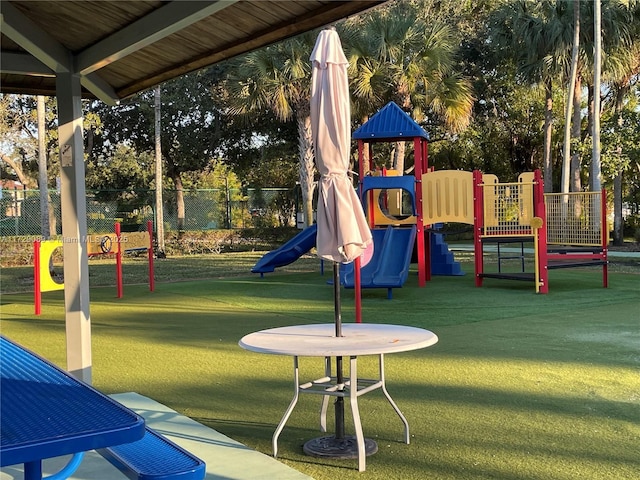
47, 283
526, 180
490, 193
102, 243
447, 196
134, 240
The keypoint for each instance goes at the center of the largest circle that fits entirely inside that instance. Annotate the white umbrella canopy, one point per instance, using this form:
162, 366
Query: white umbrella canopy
343, 232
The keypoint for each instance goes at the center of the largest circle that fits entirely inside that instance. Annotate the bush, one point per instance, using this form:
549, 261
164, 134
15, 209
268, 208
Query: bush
200, 242
18, 251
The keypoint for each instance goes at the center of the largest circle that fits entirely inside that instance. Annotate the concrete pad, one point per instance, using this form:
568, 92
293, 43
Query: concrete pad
226, 459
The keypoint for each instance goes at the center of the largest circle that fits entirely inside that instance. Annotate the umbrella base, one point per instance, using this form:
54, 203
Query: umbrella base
332, 447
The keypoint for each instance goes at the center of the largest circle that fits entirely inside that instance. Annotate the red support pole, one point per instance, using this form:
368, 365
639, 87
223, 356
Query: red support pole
540, 210
37, 294
118, 262
605, 238
357, 290
361, 171
425, 169
423, 274
152, 283
425, 156
478, 221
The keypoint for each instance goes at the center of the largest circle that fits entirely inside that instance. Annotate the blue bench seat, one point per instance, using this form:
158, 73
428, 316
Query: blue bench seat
154, 457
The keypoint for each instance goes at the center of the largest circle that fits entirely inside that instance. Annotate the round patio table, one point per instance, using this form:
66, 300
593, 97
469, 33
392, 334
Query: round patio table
319, 340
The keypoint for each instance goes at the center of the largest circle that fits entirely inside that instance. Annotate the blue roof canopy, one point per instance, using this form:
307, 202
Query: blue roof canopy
390, 123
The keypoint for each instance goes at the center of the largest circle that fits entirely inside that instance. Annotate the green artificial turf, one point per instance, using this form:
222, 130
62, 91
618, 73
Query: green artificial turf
519, 386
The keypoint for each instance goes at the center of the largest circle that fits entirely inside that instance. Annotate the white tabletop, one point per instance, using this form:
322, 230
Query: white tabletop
319, 340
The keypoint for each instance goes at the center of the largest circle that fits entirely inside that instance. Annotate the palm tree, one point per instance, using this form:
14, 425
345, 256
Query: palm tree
533, 36
620, 72
570, 110
616, 43
395, 55
540, 39
278, 78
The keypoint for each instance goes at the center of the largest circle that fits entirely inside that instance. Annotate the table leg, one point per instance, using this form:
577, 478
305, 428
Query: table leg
287, 413
33, 470
393, 404
325, 398
353, 400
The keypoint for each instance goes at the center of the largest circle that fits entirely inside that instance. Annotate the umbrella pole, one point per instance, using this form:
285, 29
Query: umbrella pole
337, 314
339, 445
339, 404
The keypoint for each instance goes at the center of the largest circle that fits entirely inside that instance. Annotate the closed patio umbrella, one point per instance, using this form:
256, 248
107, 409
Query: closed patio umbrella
343, 232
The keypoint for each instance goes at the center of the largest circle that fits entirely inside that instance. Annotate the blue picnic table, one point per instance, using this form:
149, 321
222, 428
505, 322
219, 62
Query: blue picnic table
47, 413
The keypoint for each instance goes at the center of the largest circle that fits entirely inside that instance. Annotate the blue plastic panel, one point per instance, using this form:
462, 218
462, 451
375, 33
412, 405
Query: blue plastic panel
389, 265
47, 413
390, 123
289, 252
155, 457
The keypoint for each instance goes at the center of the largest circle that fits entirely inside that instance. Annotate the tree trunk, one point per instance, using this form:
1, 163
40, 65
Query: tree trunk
576, 183
618, 222
160, 250
306, 167
566, 154
366, 158
404, 100
398, 157
366, 154
595, 172
53, 223
22, 178
42, 170
177, 182
548, 131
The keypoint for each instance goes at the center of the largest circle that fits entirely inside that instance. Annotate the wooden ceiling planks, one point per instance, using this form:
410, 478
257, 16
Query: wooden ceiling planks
236, 29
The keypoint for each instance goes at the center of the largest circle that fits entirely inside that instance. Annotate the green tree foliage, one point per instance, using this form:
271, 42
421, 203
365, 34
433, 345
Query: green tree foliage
400, 54
278, 79
190, 128
486, 79
19, 138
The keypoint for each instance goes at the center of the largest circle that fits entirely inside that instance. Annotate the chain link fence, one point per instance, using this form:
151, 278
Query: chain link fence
210, 209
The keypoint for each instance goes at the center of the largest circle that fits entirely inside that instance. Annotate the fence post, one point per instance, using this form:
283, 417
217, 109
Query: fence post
36, 278
228, 203
118, 261
150, 253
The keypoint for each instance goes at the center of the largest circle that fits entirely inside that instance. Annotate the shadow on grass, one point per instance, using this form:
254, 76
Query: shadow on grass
519, 386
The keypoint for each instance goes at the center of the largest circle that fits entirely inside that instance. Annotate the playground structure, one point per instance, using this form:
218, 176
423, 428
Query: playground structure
382, 198
97, 245
566, 230
393, 239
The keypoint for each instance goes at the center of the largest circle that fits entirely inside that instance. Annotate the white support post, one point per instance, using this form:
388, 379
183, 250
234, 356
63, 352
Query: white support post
74, 226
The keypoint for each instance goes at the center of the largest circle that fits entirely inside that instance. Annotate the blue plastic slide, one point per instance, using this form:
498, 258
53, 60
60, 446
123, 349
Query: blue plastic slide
389, 266
289, 252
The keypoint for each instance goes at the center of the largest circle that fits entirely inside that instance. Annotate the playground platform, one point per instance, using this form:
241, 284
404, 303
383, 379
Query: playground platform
464, 247
226, 459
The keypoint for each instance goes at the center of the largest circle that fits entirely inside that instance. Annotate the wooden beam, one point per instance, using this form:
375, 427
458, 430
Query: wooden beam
159, 24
